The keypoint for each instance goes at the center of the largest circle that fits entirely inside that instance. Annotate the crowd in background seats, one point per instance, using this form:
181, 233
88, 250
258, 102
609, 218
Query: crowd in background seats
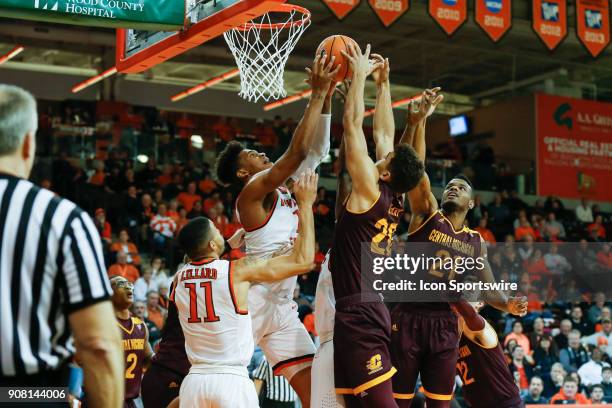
560, 351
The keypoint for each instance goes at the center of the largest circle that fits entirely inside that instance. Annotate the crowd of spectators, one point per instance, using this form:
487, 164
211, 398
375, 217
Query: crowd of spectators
560, 351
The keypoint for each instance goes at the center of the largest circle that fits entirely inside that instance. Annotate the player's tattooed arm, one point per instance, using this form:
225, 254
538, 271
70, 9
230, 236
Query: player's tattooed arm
363, 171
301, 258
384, 123
497, 298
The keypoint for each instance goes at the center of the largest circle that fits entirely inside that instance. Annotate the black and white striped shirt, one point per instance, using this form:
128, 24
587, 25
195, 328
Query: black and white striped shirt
277, 387
51, 265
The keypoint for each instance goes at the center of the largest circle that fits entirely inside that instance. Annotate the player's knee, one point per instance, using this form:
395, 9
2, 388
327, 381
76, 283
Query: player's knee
300, 381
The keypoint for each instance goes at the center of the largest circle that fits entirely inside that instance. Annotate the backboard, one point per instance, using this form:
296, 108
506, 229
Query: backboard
139, 50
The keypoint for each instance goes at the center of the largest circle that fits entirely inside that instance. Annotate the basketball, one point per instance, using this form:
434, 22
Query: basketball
333, 46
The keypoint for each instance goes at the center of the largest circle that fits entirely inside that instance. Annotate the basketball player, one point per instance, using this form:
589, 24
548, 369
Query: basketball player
424, 334
136, 347
323, 389
211, 296
487, 380
362, 324
269, 216
169, 366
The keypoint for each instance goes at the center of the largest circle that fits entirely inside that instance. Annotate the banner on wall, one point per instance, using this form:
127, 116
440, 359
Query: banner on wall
388, 11
494, 17
448, 14
341, 8
574, 147
593, 24
550, 21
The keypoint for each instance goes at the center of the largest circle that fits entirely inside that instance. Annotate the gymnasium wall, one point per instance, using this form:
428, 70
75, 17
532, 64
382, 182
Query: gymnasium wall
509, 125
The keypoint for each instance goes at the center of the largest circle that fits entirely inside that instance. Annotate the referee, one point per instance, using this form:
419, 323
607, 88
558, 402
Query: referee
279, 393
53, 281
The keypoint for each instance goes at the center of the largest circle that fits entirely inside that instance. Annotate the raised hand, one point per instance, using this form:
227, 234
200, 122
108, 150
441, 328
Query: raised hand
517, 306
358, 62
380, 69
322, 74
305, 189
424, 106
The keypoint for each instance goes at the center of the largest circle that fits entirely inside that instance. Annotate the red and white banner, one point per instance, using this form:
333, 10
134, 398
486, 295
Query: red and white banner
593, 24
574, 147
389, 10
448, 14
341, 8
550, 21
494, 17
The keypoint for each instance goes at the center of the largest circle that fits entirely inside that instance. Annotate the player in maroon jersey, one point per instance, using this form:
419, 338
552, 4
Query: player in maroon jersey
169, 366
136, 345
424, 335
362, 323
487, 380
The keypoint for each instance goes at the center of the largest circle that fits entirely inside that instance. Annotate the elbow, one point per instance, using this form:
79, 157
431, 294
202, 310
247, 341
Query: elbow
101, 350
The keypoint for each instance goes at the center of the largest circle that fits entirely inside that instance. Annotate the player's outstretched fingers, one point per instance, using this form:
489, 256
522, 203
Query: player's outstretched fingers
329, 64
332, 74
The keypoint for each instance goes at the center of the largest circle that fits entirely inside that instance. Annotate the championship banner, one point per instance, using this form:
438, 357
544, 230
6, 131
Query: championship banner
494, 17
593, 24
574, 147
550, 21
389, 10
341, 8
448, 14
137, 14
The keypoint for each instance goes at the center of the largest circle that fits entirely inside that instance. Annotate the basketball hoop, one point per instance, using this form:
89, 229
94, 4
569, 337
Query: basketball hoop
261, 48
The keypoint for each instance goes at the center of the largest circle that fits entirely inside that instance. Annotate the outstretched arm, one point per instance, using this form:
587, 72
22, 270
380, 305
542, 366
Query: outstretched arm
496, 298
422, 201
343, 185
301, 258
321, 140
363, 171
321, 76
384, 123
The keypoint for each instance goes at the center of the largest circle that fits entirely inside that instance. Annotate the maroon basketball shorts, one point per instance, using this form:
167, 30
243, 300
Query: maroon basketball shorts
424, 342
361, 344
160, 386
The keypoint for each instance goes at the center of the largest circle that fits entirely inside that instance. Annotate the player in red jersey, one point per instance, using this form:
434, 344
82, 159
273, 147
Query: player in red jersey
136, 345
487, 380
424, 334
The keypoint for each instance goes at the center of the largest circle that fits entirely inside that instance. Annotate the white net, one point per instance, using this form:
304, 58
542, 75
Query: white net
261, 49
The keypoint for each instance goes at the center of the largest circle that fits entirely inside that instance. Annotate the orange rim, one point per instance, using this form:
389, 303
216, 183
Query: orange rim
281, 8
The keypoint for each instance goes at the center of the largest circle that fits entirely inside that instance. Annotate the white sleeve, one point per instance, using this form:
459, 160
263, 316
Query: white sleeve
320, 146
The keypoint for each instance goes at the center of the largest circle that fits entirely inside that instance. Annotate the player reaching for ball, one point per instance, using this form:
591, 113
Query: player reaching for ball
424, 335
211, 296
362, 326
269, 216
323, 389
